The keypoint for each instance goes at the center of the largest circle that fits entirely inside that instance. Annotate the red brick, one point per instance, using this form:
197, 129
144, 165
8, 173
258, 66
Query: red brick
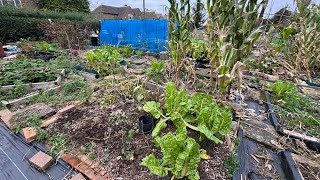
79, 176
30, 134
83, 167
88, 161
96, 165
90, 173
73, 161
49, 121
83, 157
103, 172
67, 109
98, 177
41, 160
5, 116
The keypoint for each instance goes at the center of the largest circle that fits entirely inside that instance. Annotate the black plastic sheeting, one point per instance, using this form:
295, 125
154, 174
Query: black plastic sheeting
247, 167
14, 156
283, 162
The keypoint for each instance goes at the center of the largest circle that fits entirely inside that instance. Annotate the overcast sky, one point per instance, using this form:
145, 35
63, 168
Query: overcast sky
157, 5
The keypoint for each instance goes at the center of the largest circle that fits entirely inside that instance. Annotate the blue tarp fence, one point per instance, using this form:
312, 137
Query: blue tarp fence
145, 35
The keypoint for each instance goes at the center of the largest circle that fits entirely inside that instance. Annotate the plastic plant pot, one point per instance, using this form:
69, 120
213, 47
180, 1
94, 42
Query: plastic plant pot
146, 124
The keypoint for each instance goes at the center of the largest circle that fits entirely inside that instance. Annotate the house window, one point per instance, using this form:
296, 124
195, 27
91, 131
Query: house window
14, 3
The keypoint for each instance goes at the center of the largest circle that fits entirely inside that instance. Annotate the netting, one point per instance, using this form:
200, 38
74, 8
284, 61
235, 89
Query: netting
145, 35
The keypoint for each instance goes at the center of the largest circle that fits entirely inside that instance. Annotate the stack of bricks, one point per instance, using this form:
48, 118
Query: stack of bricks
91, 169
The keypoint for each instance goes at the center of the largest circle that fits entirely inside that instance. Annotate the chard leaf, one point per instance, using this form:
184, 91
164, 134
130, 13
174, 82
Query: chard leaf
200, 100
180, 155
188, 159
153, 108
225, 118
208, 133
159, 127
154, 165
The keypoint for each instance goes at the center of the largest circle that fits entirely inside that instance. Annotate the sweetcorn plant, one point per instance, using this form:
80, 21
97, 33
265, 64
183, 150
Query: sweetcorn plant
179, 33
104, 60
198, 113
180, 156
231, 33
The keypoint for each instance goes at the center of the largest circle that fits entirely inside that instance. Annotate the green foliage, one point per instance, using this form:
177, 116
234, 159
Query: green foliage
33, 71
33, 120
126, 51
104, 60
231, 164
65, 5
92, 156
294, 110
179, 32
27, 21
58, 144
156, 71
199, 50
180, 156
127, 149
76, 89
138, 53
211, 119
45, 46
282, 44
232, 32
18, 91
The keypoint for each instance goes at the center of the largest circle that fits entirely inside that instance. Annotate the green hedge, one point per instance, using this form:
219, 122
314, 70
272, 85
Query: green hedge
16, 23
14, 28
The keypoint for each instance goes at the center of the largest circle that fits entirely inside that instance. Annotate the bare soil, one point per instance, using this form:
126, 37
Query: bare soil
108, 130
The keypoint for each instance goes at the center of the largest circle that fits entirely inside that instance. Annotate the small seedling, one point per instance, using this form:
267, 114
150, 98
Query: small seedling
92, 156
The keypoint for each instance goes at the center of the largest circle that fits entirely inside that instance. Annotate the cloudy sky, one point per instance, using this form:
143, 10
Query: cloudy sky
157, 5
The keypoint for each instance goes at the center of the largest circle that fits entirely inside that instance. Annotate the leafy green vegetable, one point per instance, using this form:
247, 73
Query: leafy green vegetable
153, 108
104, 60
180, 156
199, 113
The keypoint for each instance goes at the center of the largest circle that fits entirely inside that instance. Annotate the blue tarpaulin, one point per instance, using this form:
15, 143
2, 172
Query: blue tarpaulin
145, 35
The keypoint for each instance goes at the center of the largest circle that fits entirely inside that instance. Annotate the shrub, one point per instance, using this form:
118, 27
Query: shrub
23, 23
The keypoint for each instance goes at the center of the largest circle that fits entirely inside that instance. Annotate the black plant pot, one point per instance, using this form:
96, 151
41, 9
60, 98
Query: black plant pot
146, 124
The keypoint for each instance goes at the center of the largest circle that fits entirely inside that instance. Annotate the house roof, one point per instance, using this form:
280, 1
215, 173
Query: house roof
120, 11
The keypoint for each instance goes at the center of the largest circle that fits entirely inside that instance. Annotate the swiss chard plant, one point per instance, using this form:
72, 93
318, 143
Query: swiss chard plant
180, 156
199, 113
